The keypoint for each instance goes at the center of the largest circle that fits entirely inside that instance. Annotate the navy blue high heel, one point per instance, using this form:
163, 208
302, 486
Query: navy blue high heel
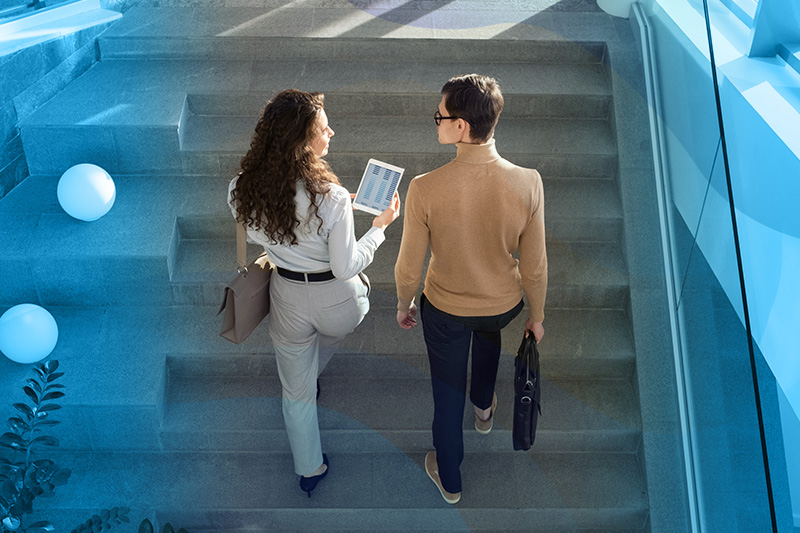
307, 484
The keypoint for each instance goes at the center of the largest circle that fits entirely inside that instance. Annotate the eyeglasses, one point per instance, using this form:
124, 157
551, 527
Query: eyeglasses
438, 118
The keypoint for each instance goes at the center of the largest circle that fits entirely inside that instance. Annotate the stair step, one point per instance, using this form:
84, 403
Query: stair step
579, 344
155, 254
576, 210
367, 440
582, 275
365, 491
579, 413
108, 261
141, 133
242, 87
410, 135
402, 86
100, 250
557, 148
587, 100
416, 520
554, 147
559, 165
247, 33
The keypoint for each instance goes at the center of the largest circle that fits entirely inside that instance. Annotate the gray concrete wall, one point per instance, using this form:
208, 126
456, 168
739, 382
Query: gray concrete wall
30, 78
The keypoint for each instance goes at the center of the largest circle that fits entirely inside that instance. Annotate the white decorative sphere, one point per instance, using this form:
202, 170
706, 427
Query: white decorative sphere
28, 333
86, 192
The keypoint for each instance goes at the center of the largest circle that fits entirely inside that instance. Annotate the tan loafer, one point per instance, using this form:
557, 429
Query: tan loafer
432, 469
485, 426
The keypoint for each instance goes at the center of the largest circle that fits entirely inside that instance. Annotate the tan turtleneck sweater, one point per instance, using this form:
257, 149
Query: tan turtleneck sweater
473, 213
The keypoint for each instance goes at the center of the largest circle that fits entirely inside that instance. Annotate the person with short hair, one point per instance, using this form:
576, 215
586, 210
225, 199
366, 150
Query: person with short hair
294, 206
473, 213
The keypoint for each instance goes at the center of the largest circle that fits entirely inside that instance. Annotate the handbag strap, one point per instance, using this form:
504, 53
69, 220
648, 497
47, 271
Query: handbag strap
241, 245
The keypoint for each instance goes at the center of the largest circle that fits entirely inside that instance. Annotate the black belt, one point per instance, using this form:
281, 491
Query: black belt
302, 276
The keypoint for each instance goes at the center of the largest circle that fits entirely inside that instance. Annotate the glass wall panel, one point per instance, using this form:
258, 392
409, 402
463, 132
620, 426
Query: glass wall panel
757, 97
730, 395
14, 9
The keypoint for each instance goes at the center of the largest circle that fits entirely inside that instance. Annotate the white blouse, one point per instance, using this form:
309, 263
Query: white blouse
334, 248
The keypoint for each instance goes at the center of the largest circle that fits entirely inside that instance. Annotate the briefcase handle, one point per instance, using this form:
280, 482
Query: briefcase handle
241, 247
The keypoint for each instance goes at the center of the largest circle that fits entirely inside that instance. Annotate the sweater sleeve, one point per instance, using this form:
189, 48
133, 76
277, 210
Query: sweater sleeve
348, 256
533, 258
413, 247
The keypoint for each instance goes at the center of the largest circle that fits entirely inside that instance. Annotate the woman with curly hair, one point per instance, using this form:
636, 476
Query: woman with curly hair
293, 205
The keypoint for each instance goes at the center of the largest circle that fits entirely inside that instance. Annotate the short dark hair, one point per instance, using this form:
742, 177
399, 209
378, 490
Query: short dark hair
477, 99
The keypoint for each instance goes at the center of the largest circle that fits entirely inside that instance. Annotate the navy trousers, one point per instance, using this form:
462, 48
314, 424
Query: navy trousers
448, 339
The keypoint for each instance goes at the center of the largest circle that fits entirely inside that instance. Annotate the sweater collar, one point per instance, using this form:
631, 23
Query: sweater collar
475, 154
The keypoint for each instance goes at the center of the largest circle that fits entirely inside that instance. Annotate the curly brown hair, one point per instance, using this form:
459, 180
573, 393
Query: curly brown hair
279, 157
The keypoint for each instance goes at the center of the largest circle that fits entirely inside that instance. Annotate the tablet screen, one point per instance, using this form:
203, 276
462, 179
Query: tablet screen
378, 184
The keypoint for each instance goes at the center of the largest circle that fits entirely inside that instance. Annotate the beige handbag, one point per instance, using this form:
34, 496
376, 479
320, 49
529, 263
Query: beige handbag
246, 299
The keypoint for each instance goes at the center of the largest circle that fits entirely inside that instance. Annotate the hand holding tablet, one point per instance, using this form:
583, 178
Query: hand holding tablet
383, 220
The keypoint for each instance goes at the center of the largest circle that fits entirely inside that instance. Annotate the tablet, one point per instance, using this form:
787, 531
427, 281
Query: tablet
378, 184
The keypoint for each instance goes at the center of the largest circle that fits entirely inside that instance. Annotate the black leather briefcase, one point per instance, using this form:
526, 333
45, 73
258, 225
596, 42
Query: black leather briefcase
527, 393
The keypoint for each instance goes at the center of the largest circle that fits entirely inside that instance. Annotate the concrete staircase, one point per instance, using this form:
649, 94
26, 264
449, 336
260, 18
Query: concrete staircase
167, 418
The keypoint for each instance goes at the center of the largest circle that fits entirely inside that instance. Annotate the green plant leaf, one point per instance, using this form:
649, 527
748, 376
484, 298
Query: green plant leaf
18, 425
25, 410
31, 394
32, 477
54, 376
40, 527
13, 441
6, 493
55, 386
45, 440
9, 491
8, 471
33, 529
168, 528
17, 466
52, 395
16, 510
50, 366
39, 369
35, 385
146, 527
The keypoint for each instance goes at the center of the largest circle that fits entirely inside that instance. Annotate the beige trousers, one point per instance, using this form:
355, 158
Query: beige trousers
307, 322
